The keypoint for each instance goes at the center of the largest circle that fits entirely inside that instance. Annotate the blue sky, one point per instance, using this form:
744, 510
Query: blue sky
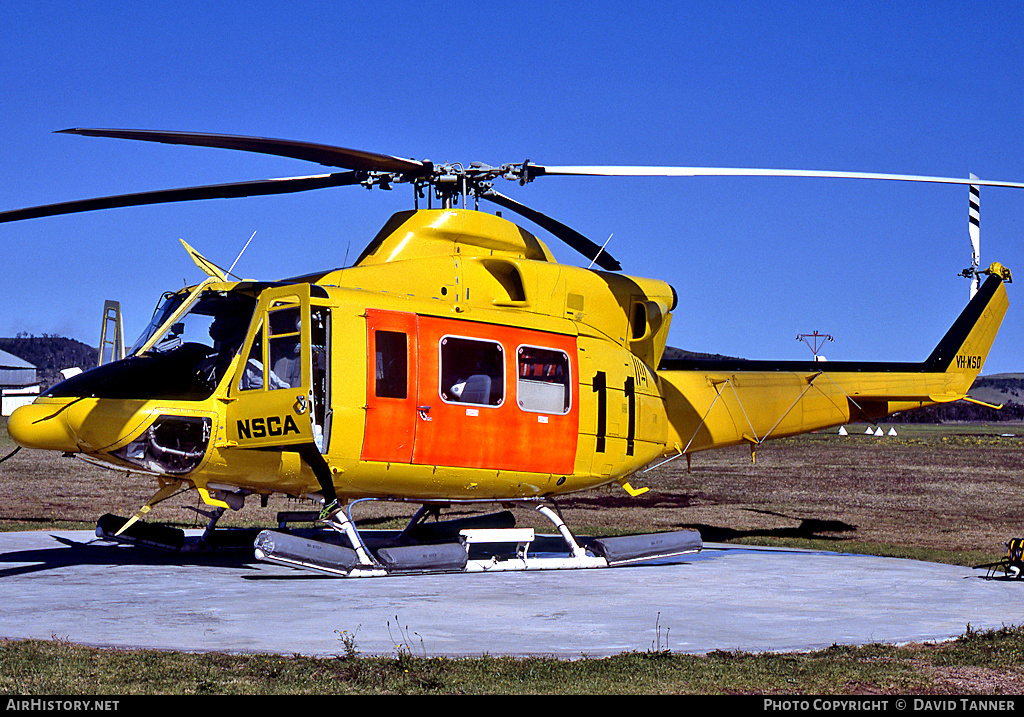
931, 89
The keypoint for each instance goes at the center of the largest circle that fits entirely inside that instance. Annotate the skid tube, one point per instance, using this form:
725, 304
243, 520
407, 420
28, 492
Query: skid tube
483, 544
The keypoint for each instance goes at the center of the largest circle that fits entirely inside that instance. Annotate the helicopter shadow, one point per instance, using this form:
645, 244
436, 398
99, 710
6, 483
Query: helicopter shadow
805, 529
71, 553
802, 528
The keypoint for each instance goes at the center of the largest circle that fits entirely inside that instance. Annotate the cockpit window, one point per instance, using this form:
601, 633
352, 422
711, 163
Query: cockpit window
168, 304
209, 334
215, 318
284, 323
188, 360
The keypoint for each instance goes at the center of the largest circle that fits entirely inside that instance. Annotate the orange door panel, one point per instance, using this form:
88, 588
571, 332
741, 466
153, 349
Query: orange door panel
391, 374
496, 397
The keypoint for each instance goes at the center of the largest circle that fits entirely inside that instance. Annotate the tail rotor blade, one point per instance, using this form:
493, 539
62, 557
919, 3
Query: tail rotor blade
974, 227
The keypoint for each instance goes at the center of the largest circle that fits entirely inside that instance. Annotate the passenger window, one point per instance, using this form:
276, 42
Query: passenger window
472, 371
391, 364
543, 380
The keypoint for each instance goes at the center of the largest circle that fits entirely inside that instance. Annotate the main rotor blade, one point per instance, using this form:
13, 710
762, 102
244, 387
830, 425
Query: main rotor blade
567, 234
625, 171
285, 185
326, 155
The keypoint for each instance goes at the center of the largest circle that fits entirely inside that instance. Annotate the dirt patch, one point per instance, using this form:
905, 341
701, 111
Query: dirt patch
975, 680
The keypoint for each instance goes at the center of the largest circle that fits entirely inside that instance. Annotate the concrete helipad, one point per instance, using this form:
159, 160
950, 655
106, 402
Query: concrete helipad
66, 585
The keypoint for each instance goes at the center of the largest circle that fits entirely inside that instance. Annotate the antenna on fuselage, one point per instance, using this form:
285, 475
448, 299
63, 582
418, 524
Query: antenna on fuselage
240, 256
600, 250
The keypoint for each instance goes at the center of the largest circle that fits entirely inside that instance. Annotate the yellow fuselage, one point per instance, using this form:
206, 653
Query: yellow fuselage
457, 361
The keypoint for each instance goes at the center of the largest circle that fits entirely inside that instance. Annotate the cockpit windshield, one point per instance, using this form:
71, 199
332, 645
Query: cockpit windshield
169, 303
188, 359
209, 333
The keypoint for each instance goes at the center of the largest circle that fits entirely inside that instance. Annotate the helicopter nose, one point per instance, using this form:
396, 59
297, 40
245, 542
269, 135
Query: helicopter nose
44, 426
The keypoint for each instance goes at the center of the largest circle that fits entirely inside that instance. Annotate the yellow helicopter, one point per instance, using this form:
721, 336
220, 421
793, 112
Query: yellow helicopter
454, 362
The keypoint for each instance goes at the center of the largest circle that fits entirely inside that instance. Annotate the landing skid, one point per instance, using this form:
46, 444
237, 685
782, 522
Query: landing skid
170, 539
112, 528
483, 545
135, 531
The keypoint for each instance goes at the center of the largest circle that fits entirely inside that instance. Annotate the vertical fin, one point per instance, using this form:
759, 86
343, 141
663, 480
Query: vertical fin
965, 346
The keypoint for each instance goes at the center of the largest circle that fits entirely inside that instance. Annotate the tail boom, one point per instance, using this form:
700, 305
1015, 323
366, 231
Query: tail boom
722, 402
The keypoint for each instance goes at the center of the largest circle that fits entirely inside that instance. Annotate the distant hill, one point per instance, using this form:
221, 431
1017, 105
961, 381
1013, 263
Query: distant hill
999, 388
675, 354
50, 354
1006, 389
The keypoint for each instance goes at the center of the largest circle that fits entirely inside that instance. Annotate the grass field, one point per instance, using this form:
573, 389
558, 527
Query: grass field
950, 493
